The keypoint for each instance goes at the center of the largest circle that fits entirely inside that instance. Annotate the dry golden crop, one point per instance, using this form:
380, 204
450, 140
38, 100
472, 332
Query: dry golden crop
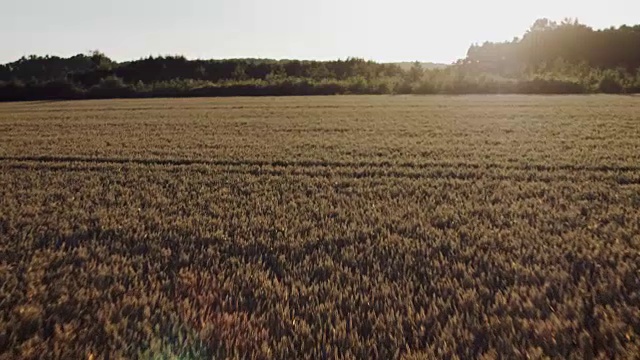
323, 227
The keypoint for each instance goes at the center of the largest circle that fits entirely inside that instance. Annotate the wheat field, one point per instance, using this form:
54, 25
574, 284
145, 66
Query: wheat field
352, 227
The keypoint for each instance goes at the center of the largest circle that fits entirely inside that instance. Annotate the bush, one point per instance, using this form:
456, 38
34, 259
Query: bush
13, 91
550, 86
358, 85
610, 83
423, 87
111, 87
404, 87
58, 89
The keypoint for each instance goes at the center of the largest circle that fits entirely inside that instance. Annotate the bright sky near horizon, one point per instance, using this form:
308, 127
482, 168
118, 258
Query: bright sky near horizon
387, 31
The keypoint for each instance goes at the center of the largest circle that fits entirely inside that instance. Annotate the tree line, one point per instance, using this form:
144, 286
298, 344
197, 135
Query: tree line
551, 57
547, 42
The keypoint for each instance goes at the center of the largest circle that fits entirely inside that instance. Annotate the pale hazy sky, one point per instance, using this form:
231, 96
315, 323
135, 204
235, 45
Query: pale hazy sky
398, 30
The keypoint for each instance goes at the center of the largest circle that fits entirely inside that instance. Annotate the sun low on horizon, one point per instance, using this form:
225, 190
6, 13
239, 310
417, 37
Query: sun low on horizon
385, 31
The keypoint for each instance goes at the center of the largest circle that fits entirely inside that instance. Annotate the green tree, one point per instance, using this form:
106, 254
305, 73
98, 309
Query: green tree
100, 60
416, 72
240, 72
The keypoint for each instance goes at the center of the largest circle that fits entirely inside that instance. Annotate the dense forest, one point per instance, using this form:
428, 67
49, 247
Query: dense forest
551, 57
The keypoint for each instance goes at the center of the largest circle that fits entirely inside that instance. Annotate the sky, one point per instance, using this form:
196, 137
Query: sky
385, 31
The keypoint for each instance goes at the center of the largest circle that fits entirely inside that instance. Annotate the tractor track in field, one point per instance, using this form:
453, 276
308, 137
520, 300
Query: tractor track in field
320, 163
346, 170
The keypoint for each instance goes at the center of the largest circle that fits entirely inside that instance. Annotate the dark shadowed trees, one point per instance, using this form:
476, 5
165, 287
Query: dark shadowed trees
551, 57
